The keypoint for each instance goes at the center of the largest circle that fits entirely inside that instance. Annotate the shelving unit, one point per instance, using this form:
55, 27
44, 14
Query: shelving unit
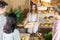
45, 27
45, 10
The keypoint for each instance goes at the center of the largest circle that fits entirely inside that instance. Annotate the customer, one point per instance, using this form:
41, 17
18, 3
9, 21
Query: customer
10, 32
56, 28
3, 8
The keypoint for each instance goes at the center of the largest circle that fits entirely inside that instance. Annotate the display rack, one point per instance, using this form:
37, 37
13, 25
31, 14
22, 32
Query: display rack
45, 27
45, 9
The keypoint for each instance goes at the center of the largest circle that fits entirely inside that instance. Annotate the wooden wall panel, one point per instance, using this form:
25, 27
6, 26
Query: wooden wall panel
24, 4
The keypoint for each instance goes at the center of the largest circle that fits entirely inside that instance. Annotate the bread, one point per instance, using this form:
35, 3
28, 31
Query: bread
41, 24
46, 24
45, 3
50, 24
29, 25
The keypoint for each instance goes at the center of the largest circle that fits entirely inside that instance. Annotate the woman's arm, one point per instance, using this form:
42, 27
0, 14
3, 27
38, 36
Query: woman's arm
26, 20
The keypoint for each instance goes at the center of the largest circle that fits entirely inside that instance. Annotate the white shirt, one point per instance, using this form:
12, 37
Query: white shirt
12, 36
2, 23
32, 17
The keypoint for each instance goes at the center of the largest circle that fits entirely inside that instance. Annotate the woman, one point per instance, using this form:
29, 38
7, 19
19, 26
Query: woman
9, 30
33, 17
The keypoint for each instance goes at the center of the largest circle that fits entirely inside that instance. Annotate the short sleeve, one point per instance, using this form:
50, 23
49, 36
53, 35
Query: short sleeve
28, 15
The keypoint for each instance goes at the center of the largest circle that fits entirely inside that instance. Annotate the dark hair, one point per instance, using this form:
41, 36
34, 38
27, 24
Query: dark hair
12, 15
32, 5
56, 9
10, 25
3, 4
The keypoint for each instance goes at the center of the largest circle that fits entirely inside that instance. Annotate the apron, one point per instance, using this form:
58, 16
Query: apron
33, 18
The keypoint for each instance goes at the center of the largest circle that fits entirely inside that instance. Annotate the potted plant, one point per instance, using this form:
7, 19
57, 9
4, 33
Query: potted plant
18, 13
48, 36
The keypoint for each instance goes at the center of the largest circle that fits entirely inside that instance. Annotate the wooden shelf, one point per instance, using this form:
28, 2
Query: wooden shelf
45, 27
22, 26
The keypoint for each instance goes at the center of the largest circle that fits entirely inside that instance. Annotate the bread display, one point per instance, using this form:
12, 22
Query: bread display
45, 17
45, 3
45, 9
41, 24
46, 24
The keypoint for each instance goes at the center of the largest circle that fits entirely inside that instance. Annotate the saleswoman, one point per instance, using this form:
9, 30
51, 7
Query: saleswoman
33, 17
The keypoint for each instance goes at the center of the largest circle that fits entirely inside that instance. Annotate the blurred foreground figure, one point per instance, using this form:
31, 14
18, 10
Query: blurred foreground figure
3, 8
10, 32
56, 28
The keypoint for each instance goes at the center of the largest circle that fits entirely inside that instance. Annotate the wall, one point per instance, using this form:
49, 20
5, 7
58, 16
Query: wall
24, 4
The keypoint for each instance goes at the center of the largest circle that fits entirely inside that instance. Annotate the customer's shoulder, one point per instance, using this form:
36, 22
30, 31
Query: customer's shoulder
57, 22
16, 31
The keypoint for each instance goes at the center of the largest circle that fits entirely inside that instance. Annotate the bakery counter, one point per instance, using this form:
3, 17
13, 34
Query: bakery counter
44, 29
